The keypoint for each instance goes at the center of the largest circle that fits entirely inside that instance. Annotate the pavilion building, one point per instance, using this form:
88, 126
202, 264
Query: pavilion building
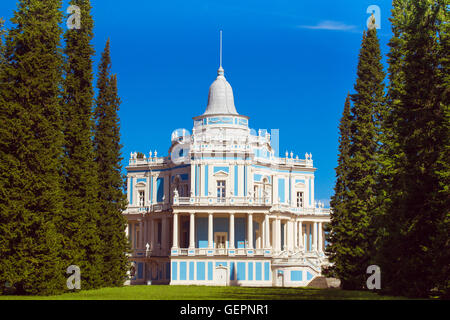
222, 208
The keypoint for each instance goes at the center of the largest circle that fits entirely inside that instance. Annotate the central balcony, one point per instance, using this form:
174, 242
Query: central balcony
240, 252
217, 201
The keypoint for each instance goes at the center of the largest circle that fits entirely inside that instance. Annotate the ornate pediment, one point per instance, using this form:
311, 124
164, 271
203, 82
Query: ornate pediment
221, 174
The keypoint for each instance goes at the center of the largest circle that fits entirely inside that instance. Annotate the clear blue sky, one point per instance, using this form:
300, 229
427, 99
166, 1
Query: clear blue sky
290, 63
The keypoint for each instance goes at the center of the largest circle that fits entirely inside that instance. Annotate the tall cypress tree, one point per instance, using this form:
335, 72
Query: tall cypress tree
414, 250
108, 157
30, 150
353, 253
81, 208
340, 228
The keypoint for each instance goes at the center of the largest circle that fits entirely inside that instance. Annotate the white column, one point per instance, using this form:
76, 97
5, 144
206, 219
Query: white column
274, 235
250, 230
145, 229
152, 233
267, 226
314, 240
192, 232
278, 237
290, 235
231, 240
193, 177
300, 234
295, 234
305, 238
141, 234
164, 235
210, 230
262, 228
175, 231
320, 238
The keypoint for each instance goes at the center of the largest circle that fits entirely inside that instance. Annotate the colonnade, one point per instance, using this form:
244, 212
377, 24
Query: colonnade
299, 233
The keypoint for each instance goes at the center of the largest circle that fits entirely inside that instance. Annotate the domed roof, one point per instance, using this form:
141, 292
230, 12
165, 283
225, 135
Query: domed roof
220, 97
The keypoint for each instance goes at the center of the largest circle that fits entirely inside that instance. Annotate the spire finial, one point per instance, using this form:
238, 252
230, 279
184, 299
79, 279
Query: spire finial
220, 72
220, 48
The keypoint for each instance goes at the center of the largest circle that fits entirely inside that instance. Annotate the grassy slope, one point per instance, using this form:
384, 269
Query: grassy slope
208, 293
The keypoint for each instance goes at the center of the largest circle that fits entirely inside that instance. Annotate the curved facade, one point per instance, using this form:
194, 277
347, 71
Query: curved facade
222, 208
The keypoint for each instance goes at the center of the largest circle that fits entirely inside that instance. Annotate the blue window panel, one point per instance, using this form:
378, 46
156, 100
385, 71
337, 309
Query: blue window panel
241, 271
141, 180
290, 192
266, 271
191, 270
210, 271
131, 190
309, 276
159, 189
200, 271
174, 270
140, 270
300, 181
151, 189
231, 270
183, 270
236, 181
201, 228
206, 180
309, 191
184, 177
250, 271
239, 232
281, 189
217, 169
296, 276
257, 177
258, 271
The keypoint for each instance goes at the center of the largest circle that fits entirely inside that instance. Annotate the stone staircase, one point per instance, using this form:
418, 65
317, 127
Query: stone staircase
324, 283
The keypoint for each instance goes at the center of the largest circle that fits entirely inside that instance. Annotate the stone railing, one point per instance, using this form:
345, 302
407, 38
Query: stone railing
227, 201
221, 252
301, 211
155, 207
155, 252
151, 161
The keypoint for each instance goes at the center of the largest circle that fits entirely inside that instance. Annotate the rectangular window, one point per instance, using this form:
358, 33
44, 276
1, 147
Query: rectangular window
300, 199
221, 191
141, 198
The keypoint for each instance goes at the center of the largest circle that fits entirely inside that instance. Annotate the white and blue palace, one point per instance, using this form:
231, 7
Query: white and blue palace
223, 208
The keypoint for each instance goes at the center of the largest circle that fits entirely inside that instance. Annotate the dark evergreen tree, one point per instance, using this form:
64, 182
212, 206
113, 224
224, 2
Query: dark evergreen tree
108, 158
31, 150
80, 215
353, 222
340, 228
414, 246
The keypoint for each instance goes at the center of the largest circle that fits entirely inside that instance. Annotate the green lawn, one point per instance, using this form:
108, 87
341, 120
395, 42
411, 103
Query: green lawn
208, 293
